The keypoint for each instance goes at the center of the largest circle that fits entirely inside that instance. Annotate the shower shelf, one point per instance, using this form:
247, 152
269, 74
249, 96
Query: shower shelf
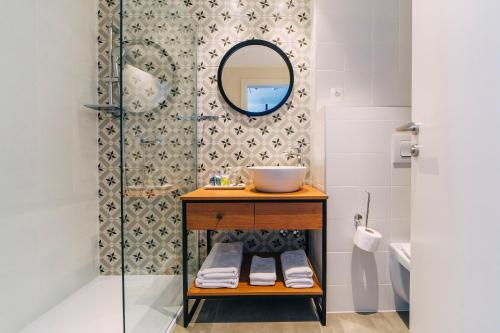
146, 191
112, 79
111, 109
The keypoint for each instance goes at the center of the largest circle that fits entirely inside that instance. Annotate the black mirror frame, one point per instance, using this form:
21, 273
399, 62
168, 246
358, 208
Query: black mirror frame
242, 45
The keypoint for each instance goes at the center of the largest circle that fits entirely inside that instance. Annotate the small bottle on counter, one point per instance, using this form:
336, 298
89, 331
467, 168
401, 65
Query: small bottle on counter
230, 176
224, 179
218, 179
212, 180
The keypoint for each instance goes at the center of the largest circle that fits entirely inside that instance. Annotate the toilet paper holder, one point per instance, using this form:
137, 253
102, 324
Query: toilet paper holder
358, 218
365, 238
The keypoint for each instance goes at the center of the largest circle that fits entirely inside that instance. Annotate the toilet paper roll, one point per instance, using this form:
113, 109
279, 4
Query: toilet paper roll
367, 239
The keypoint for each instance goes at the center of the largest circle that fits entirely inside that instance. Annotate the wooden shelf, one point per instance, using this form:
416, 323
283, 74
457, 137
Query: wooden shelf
245, 289
250, 194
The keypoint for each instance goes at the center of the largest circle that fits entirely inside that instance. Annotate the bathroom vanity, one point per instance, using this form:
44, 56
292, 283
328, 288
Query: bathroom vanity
248, 210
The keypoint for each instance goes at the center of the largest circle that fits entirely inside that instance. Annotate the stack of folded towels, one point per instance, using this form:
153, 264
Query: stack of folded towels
296, 269
222, 267
262, 271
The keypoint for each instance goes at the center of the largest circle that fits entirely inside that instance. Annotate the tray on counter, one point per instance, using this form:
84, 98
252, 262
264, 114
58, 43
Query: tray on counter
229, 187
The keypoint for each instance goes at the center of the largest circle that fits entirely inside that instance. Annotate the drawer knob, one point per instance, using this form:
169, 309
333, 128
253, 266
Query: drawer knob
218, 216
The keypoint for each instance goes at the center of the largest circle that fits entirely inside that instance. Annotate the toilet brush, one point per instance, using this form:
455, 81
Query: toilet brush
367, 208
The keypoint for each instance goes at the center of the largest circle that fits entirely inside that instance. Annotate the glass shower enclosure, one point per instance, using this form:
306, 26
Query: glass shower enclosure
158, 151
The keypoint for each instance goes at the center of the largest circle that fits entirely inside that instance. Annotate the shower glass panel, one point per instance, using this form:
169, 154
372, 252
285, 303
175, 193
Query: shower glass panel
158, 100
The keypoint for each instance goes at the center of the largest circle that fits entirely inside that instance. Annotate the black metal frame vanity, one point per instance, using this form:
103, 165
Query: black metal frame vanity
247, 209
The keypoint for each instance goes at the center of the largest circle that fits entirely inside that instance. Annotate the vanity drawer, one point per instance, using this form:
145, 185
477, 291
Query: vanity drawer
288, 215
213, 216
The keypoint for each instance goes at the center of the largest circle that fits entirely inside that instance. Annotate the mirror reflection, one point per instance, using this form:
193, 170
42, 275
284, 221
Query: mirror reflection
255, 79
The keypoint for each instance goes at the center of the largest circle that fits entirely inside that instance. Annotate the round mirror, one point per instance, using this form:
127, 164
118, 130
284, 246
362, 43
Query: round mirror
255, 77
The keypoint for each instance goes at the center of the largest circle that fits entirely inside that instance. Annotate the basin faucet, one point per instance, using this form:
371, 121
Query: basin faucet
300, 157
297, 152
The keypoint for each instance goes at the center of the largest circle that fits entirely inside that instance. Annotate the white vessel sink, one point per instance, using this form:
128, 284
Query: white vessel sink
278, 179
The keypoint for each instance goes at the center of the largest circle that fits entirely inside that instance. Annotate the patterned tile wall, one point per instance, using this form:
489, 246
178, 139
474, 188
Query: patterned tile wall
109, 154
236, 140
160, 139
233, 141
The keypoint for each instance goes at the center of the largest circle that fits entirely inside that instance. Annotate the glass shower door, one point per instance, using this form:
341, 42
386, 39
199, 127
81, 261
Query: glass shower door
159, 150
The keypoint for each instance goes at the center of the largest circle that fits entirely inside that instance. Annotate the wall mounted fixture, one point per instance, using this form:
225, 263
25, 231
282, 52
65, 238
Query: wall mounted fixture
110, 108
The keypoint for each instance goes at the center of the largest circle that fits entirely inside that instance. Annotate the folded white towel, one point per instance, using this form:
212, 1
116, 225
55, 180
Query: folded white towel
295, 265
299, 283
223, 261
218, 276
227, 283
263, 269
262, 282
299, 276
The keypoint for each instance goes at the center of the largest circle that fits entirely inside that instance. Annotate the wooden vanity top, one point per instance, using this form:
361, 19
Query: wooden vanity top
306, 193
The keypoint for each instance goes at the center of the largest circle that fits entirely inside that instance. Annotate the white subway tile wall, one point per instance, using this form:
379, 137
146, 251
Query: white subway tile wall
363, 49
358, 159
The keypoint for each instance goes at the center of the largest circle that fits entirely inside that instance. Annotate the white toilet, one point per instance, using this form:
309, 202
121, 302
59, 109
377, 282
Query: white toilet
399, 268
